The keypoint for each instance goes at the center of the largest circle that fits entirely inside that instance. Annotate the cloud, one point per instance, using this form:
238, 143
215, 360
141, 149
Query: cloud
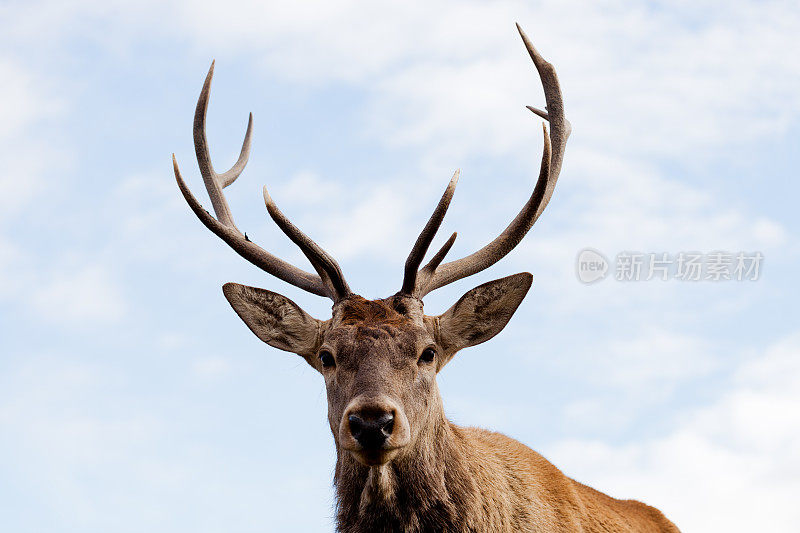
654, 94
616, 205
353, 222
730, 465
27, 105
653, 359
27, 102
52, 290
308, 189
94, 446
638, 80
10, 258
210, 368
642, 86
630, 89
86, 295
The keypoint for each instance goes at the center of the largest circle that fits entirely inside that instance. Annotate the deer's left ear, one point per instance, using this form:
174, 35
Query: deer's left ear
481, 313
275, 319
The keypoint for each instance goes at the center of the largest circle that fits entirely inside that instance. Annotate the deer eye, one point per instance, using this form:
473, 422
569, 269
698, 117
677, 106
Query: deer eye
428, 355
326, 358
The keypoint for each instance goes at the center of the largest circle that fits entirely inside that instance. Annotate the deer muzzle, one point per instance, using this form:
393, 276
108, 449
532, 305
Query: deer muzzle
373, 430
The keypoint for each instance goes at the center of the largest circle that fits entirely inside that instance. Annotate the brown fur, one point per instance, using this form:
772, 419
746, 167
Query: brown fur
431, 475
358, 310
470, 479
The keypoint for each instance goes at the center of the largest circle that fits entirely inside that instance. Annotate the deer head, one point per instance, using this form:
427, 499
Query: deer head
379, 358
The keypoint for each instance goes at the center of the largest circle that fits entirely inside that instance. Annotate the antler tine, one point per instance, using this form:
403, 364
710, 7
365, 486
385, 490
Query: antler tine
560, 128
247, 249
324, 264
329, 282
216, 182
428, 270
230, 176
552, 157
426, 237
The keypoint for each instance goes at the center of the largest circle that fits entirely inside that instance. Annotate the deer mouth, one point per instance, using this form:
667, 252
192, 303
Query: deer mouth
375, 457
376, 453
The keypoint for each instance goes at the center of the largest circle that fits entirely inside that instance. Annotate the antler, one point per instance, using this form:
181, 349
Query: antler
329, 282
432, 276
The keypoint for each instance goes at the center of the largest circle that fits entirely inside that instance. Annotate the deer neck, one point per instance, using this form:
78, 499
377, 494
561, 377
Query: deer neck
413, 492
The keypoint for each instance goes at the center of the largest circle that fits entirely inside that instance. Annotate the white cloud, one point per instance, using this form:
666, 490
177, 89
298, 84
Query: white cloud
172, 341
642, 85
637, 80
638, 83
10, 258
86, 294
619, 202
210, 368
732, 465
310, 190
374, 220
85, 454
371, 225
59, 439
27, 156
26, 105
653, 359
617, 206
24, 98
148, 217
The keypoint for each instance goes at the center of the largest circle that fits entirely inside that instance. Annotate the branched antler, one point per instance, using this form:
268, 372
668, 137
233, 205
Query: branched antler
432, 276
329, 281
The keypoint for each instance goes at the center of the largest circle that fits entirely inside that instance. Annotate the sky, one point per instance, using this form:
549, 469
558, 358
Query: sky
133, 399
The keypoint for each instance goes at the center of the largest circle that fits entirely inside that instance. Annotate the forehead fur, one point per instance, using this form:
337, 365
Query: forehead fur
360, 311
396, 315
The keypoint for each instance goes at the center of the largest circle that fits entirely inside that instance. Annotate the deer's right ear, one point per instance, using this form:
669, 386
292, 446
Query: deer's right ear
275, 319
481, 313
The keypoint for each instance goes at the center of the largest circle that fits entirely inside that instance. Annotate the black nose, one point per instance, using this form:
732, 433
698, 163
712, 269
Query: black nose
371, 432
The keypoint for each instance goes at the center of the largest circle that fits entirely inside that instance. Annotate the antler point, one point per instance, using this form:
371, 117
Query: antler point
267, 198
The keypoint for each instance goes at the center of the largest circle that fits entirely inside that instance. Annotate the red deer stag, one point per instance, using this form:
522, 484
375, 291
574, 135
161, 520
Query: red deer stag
401, 465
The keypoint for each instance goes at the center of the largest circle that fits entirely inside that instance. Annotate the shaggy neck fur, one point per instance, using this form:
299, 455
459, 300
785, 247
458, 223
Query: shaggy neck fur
429, 488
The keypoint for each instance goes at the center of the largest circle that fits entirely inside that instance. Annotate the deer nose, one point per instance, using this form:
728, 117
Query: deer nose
371, 432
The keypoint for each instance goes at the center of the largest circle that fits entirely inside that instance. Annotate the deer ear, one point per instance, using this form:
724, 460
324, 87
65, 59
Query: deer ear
481, 313
275, 319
